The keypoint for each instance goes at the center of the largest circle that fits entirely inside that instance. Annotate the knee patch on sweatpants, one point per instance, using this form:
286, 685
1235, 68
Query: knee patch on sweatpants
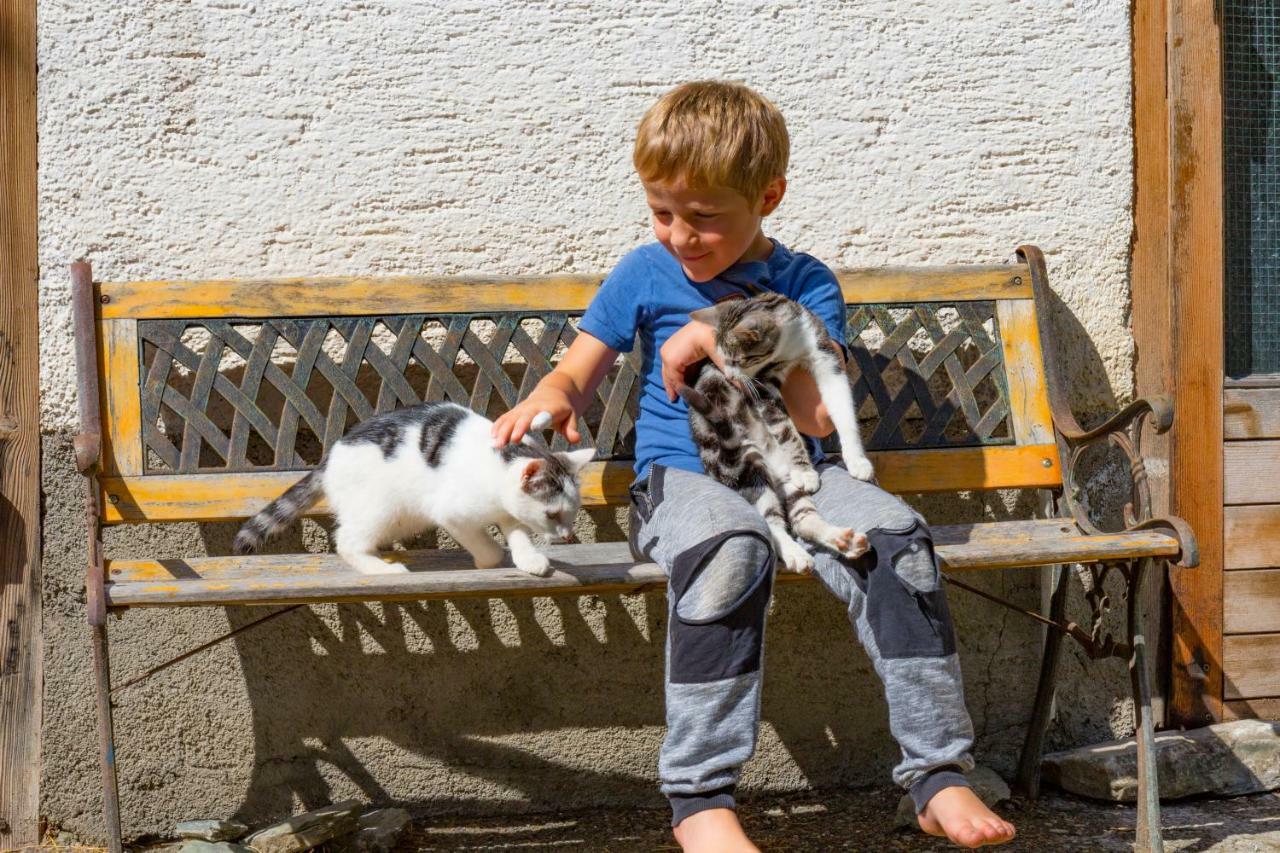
720, 592
906, 605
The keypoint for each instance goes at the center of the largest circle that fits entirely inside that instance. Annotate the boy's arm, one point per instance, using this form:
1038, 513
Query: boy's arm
804, 402
563, 393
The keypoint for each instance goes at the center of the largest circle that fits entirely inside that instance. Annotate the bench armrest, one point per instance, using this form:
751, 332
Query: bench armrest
1160, 408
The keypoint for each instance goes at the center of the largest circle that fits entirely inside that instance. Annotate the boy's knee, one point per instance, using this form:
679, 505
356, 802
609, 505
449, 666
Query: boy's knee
906, 605
720, 590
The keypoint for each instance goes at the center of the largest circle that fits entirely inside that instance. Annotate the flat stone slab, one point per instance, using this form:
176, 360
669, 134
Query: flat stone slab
986, 783
378, 832
307, 830
195, 845
1226, 759
210, 830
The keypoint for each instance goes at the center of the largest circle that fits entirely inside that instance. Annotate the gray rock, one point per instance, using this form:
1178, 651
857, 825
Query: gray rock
378, 833
307, 830
987, 784
210, 830
1227, 759
195, 845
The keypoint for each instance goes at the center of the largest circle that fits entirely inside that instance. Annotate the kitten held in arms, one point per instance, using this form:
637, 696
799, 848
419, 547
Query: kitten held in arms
745, 436
432, 465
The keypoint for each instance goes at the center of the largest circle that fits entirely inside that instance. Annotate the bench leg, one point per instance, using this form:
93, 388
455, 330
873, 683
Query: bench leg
1027, 783
106, 738
1149, 838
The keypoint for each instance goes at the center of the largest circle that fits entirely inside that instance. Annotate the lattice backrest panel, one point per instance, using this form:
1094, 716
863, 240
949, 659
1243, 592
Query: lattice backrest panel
275, 393
228, 395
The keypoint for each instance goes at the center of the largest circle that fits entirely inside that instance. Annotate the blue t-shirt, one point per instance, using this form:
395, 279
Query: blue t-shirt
648, 294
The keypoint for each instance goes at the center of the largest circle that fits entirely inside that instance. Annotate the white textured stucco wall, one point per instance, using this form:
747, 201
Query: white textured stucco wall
223, 138
216, 137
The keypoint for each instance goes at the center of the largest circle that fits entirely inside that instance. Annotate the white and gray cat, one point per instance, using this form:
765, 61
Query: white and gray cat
432, 465
745, 436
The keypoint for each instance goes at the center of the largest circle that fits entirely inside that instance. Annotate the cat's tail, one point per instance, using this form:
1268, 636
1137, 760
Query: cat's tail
279, 514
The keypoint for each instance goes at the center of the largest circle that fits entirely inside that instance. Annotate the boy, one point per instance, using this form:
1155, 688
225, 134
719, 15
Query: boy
712, 157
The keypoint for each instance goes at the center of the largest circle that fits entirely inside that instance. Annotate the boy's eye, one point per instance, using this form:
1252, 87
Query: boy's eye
703, 214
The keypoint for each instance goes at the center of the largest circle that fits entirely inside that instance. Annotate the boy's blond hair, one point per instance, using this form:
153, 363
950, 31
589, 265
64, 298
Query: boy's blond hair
713, 133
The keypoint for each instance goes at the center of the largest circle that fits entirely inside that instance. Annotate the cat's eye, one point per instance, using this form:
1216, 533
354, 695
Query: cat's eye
553, 516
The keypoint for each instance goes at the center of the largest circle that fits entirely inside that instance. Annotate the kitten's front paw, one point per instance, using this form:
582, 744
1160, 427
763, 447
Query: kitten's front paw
535, 564
849, 543
861, 468
793, 558
806, 480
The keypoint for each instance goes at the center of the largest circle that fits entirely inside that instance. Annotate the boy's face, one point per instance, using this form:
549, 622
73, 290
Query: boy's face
709, 230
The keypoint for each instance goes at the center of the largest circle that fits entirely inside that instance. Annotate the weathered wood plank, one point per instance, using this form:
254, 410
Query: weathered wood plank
215, 497
1196, 293
121, 400
1251, 472
935, 284
1249, 666
581, 569
1251, 538
1264, 708
300, 297
1251, 602
1024, 371
21, 662
1249, 413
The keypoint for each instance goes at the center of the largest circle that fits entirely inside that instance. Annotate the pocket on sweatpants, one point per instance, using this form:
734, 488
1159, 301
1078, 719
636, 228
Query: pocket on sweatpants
646, 497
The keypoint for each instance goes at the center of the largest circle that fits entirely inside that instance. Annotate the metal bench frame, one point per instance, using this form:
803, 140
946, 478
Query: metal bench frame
1002, 422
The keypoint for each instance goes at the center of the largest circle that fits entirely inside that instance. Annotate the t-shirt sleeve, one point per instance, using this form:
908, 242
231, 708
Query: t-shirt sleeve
821, 294
617, 310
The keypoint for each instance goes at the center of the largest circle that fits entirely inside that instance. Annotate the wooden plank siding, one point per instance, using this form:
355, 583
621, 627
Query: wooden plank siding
21, 661
1251, 548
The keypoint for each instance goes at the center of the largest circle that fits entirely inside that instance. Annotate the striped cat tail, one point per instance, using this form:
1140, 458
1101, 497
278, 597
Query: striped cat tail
279, 514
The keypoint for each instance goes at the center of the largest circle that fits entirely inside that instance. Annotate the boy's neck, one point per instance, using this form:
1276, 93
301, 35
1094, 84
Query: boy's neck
759, 250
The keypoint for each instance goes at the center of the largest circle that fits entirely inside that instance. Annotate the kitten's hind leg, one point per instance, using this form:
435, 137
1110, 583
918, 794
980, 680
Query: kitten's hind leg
808, 523
358, 546
792, 556
485, 553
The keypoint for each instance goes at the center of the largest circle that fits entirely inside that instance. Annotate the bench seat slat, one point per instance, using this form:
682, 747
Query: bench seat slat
580, 569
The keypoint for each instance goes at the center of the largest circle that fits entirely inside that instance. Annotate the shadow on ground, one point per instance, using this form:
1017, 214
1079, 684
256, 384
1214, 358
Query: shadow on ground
863, 821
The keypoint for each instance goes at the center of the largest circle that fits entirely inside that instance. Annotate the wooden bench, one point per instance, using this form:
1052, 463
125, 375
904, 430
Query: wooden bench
203, 400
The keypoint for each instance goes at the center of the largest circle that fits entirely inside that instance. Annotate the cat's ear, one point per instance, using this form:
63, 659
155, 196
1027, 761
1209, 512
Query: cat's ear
576, 459
531, 469
709, 315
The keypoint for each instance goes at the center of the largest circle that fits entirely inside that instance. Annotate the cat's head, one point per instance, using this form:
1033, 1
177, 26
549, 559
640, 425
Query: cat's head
748, 331
542, 488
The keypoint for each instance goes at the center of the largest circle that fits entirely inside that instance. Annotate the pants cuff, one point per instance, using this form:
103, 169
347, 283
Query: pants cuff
923, 789
683, 805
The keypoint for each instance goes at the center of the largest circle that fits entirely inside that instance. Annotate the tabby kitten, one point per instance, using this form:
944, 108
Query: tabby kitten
745, 437
433, 464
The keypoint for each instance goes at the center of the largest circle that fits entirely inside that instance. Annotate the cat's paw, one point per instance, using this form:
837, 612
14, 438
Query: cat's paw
848, 543
793, 558
806, 480
535, 564
861, 468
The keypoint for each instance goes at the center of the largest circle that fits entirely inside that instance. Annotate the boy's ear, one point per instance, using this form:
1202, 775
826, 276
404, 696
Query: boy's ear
709, 315
772, 196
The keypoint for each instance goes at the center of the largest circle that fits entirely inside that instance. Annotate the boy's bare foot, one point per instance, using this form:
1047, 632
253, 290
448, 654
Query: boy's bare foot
713, 831
957, 813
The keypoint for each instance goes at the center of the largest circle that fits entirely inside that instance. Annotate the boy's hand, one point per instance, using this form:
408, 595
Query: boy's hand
511, 427
686, 347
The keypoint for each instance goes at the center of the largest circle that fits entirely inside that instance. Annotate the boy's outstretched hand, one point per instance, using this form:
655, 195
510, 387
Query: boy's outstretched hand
511, 427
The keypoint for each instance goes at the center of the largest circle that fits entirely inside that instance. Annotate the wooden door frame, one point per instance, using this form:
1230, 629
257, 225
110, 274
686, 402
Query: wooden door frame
21, 662
1178, 291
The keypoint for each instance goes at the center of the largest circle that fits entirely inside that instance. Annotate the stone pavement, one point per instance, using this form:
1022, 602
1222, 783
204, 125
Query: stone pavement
862, 820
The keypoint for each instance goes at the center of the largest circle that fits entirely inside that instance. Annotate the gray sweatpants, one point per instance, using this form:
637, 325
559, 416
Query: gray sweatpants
718, 556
